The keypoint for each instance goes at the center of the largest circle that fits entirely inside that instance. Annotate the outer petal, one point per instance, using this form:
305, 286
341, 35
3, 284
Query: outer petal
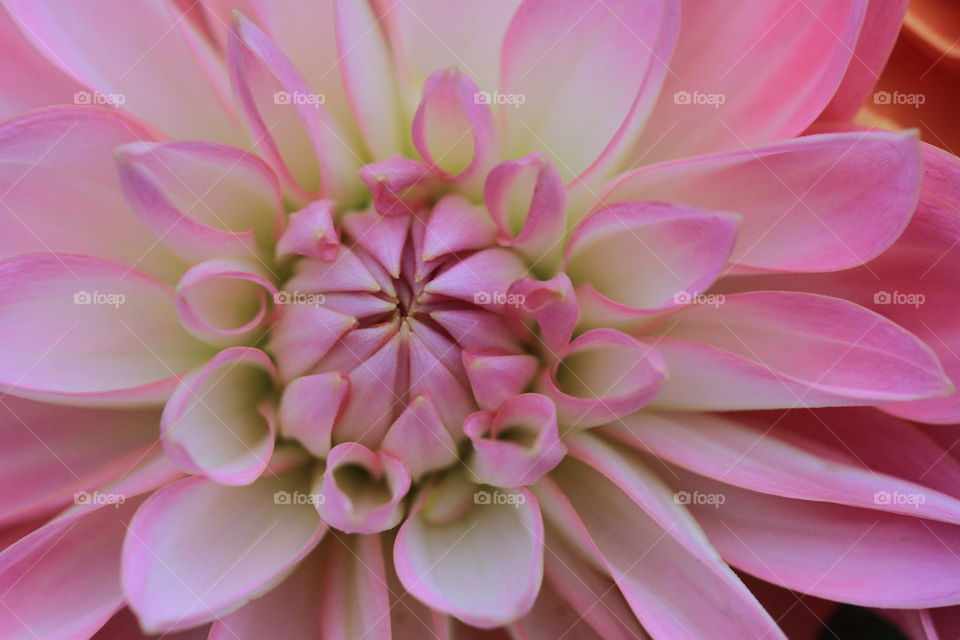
82, 330
50, 452
741, 354
61, 581
618, 521
59, 182
483, 567
288, 122
831, 551
202, 200
248, 539
220, 421
767, 73
354, 596
175, 82
666, 255
589, 111
817, 203
27, 79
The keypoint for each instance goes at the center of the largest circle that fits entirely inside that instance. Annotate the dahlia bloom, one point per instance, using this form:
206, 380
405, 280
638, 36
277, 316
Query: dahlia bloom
528, 319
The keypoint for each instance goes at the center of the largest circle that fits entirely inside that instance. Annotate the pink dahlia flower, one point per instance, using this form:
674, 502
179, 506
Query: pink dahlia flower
540, 319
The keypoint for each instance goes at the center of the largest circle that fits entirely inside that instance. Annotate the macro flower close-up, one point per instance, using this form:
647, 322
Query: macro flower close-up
463, 320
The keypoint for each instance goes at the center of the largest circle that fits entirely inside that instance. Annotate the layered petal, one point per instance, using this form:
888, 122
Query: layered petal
816, 203
82, 330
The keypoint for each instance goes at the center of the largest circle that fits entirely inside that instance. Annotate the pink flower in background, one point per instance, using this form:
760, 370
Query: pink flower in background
410, 319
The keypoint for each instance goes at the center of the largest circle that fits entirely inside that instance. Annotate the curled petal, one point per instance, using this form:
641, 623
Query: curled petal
219, 422
361, 490
310, 406
516, 444
310, 232
483, 567
602, 375
552, 304
528, 201
665, 254
249, 537
400, 186
225, 301
419, 438
452, 129
496, 376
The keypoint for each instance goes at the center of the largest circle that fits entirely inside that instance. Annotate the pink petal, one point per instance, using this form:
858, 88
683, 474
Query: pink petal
552, 304
760, 460
427, 35
766, 75
361, 491
224, 301
740, 354
303, 335
52, 451
345, 273
125, 626
610, 516
400, 186
309, 407
456, 224
419, 438
219, 422
27, 79
288, 122
474, 328
830, 551
588, 112
484, 567
82, 330
73, 189
881, 25
368, 76
497, 376
248, 538
667, 254
354, 597
482, 278
516, 444
528, 201
176, 82
311, 232
452, 130
202, 200
383, 236
816, 203
602, 375
375, 388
